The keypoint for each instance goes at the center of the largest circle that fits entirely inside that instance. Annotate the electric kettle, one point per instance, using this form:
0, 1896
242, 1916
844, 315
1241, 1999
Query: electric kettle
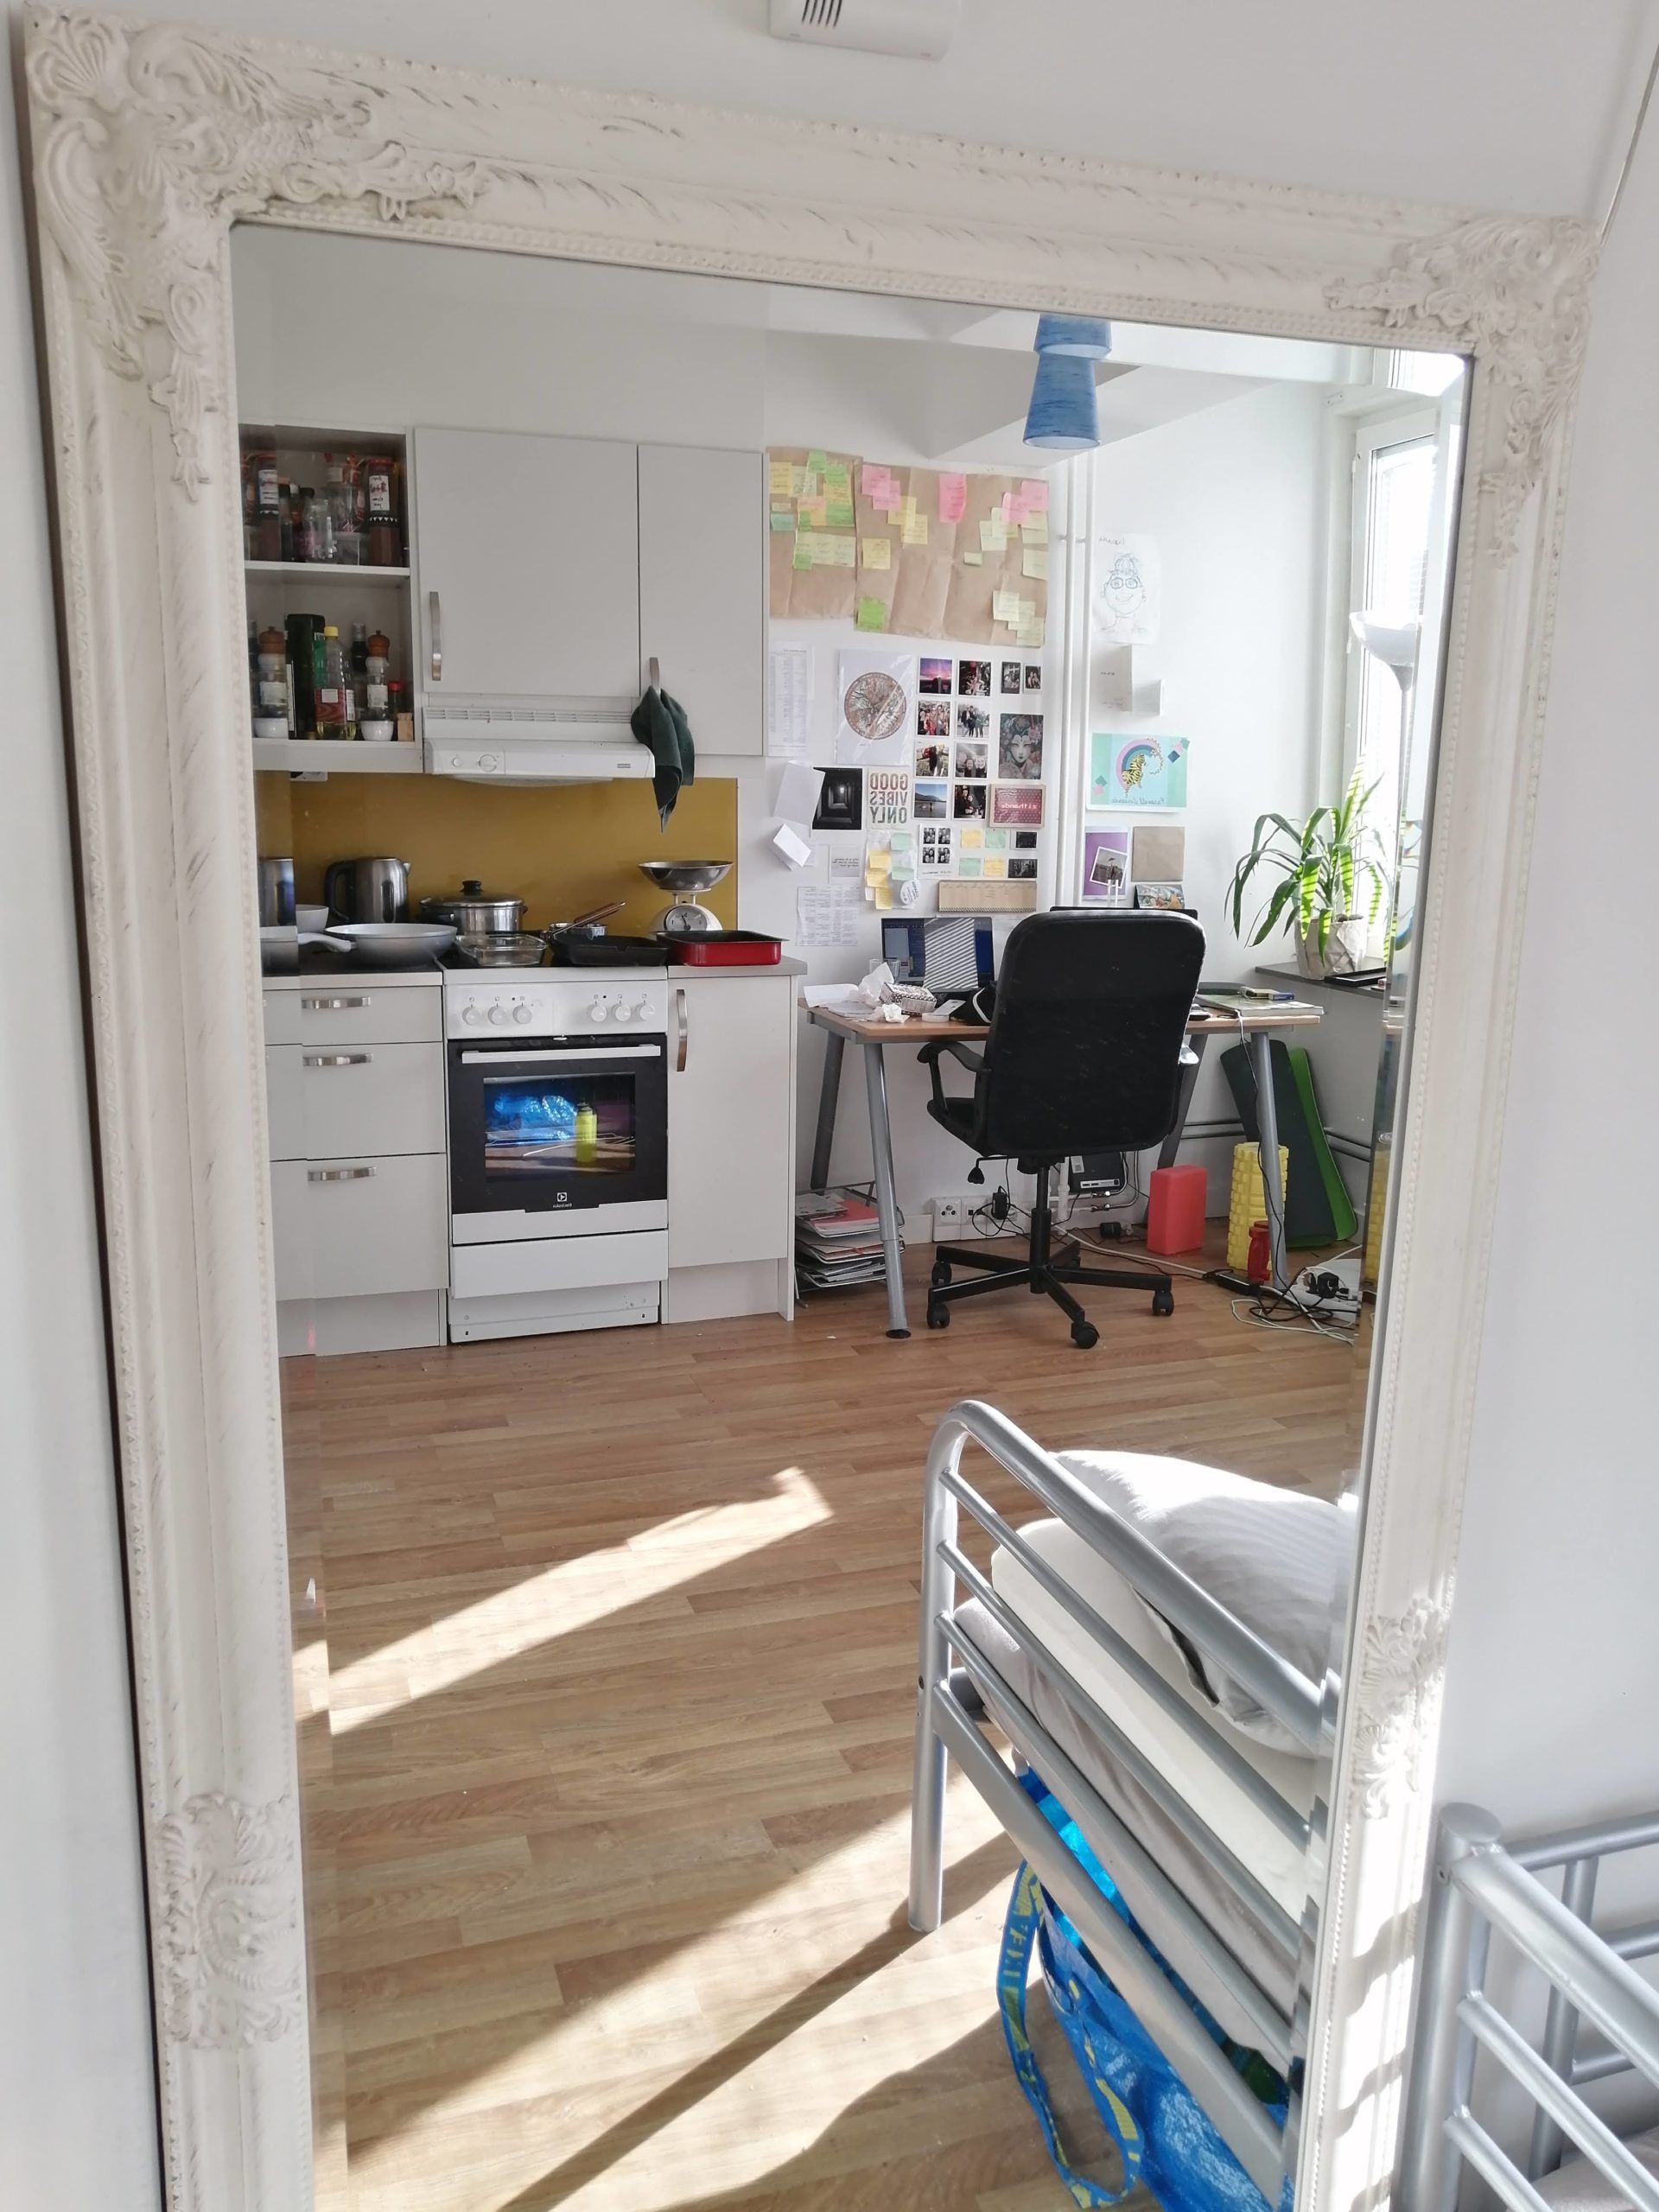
367, 890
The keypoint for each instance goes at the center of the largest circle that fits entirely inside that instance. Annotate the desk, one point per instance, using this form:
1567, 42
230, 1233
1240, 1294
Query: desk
1256, 1026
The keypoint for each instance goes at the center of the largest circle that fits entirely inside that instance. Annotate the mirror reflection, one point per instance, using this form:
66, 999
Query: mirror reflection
820, 856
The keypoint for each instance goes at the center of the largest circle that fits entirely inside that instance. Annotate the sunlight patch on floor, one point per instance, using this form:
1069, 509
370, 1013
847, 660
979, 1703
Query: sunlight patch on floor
564, 1599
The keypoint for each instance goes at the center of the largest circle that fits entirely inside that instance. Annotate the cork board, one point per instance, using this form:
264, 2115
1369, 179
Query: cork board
931, 553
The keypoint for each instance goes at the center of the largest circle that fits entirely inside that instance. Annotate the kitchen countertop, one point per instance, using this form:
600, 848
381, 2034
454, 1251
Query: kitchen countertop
680, 972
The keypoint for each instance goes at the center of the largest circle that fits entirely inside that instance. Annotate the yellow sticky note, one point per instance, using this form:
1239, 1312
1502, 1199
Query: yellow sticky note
1031, 633
907, 510
878, 864
1035, 561
995, 864
973, 837
780, 480
972, 560
993, 535
1036, 530
883, 898
1005, 607
878, 552
916, 530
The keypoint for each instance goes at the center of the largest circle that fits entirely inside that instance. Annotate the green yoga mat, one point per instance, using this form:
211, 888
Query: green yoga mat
1317, 1210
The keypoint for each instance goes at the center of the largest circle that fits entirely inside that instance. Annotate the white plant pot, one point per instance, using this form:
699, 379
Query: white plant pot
1345, 947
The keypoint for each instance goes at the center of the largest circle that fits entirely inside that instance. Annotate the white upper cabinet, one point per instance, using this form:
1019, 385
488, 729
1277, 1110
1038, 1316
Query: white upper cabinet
702, 587
529, 558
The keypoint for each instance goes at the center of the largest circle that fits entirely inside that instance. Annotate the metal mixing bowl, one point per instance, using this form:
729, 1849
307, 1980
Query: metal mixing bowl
686, 876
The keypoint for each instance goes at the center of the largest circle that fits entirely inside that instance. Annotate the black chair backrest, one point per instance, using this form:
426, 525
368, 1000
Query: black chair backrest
1085, 1045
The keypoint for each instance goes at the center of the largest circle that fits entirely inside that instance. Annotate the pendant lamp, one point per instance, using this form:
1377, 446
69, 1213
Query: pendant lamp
1064, 416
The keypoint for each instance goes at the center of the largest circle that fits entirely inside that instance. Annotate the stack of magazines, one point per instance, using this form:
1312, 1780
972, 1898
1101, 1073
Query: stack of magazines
838, 1240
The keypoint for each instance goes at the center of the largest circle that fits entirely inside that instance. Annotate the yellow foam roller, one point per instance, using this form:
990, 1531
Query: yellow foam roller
1248, 1202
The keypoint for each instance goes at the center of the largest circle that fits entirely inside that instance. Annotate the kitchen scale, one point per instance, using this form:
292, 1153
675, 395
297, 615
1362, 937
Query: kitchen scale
685, 917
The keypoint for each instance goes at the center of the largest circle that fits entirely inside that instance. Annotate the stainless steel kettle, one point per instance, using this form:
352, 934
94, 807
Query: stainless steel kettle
367, 890
276, 893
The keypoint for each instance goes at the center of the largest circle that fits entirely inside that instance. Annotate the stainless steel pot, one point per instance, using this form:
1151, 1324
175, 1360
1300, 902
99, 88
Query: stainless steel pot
476, 912
276, 894
367, 890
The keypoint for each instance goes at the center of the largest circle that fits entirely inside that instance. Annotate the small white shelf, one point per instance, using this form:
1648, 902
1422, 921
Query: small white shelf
332, 571
336, 756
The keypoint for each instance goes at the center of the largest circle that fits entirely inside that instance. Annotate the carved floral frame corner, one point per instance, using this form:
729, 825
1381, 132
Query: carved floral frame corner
148, 142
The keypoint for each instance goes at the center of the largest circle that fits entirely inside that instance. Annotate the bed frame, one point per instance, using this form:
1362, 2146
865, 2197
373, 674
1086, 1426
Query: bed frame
950, 1721
1481, 1885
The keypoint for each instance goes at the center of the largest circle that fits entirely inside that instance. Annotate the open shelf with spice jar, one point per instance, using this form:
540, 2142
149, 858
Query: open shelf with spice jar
326, 542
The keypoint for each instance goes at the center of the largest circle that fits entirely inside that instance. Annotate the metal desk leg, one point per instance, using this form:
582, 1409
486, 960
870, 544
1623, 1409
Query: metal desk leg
829, 1091
1189, 1084
887, 1203
1267, 1122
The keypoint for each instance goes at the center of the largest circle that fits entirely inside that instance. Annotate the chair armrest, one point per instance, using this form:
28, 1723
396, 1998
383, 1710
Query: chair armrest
929, 1057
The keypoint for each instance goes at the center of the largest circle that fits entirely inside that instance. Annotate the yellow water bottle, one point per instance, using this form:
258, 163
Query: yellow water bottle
586, 1136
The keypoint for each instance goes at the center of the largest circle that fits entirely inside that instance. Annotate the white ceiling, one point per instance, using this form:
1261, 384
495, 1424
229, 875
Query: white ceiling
1514, 104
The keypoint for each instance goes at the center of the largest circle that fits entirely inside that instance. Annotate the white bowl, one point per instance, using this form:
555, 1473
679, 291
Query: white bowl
311, 917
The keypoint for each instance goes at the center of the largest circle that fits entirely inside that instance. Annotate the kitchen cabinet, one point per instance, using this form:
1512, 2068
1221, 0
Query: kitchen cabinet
703, 588
730, 1137
528, 551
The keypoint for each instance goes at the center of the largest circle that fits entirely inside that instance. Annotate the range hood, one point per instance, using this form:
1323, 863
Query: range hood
584, 742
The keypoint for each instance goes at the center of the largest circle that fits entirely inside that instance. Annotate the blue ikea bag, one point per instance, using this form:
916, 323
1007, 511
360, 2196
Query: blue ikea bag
1165, 2137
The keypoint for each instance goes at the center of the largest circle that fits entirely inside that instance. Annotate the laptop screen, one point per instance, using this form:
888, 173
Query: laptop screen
948, 953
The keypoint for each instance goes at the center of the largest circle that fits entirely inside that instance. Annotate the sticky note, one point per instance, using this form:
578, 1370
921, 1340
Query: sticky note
803, 558
838, 514
902, 870
817, 462
996, 841
1005, 607
883, 898
995, 864
973, 837
1029, 633
878, 864
780, 521
971, 560
1035, 489
878, 552
1036, 530
915, 529
873, 481
969, 865
836, 551
872, 614
953, 495
993, 535
780, 480
1034, 563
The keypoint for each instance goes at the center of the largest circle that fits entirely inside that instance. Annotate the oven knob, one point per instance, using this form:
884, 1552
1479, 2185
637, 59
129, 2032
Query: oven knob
597, 1011
470, 1015
623, 1012
499, 1016
521, 1012
642, 1012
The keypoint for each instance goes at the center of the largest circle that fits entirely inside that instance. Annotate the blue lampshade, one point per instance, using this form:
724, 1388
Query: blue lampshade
1062, 414
1087, 334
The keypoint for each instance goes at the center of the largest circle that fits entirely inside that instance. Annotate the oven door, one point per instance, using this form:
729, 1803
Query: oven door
558, 1136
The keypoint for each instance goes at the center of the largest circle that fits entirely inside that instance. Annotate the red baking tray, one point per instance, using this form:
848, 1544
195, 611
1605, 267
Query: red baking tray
729, 949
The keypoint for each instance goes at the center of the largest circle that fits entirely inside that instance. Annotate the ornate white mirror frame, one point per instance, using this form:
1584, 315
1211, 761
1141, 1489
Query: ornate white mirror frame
149, 141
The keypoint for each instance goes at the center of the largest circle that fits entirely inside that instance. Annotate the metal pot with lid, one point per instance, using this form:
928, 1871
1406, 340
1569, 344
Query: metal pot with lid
476, 912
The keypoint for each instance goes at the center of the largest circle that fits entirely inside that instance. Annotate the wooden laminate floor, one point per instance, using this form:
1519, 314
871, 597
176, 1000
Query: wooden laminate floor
606, 1660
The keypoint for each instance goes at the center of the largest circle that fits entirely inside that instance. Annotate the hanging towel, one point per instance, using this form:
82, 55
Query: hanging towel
659, 724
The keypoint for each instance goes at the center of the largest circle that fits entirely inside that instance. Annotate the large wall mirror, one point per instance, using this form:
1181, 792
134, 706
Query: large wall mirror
526, 1447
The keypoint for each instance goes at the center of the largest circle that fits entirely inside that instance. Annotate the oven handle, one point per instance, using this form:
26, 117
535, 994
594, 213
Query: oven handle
684, 1026
604, 1053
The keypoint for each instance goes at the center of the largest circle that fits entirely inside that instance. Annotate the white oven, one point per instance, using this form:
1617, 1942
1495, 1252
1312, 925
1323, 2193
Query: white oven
558, 1149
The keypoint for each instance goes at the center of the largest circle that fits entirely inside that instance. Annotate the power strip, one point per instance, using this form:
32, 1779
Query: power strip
1329, 1288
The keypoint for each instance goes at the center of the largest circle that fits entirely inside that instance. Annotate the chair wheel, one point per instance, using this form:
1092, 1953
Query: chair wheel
939, 1280
938, 1317
1163, 1302
1084, 1335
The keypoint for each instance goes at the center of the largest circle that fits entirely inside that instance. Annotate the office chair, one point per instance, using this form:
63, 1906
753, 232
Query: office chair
1084, 1055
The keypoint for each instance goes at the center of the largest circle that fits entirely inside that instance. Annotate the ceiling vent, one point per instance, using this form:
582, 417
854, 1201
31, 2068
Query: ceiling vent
919, 29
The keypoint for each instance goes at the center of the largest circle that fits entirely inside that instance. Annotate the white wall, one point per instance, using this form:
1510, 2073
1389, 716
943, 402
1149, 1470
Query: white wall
77, 2122
1237, 498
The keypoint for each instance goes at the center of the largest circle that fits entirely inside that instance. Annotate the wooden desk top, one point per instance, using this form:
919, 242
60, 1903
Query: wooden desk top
929, 1029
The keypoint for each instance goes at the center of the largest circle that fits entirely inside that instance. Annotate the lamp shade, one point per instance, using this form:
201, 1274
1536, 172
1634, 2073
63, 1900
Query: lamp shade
1087, 334
1392, 638
1062, 414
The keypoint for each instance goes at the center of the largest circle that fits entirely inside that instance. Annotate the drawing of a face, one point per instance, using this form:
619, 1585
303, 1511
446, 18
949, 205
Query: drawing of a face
1124, 591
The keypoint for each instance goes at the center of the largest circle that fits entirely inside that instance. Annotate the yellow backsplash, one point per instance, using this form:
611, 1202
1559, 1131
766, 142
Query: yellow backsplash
563, 848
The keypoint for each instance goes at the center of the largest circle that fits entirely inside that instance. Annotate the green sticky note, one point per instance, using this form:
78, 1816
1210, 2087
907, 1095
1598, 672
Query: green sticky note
872, 614
838, 514
803, 558
818, 462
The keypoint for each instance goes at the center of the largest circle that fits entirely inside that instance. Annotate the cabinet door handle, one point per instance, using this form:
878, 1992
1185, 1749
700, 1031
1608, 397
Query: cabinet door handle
337, 1174
683, 1025
434, 632
336, 1059
333, 1006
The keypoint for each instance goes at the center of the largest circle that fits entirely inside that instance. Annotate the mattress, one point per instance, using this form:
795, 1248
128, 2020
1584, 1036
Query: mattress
1224, 1805
1224, 1914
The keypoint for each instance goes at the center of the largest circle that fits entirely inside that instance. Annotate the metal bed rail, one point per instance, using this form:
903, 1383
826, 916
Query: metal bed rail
947, 1724
1481, 1886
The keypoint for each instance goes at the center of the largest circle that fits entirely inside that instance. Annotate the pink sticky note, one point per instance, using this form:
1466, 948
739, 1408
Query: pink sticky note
1036, 491
953, 496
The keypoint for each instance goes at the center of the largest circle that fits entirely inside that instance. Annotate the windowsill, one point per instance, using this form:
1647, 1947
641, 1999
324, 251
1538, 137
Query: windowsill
1289, 971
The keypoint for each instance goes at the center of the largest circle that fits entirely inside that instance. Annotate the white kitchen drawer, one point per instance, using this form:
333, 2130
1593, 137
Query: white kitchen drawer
358, 1228
285, 1102
372, 1099
350, 1013
282, 1011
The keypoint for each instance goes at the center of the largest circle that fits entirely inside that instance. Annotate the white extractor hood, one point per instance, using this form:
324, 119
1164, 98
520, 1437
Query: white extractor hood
582, 743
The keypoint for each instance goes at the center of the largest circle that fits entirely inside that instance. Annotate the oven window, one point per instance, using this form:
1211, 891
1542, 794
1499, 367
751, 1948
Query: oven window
559, 1125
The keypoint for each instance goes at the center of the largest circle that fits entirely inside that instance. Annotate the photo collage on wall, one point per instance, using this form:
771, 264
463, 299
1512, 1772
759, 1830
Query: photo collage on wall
1142, 866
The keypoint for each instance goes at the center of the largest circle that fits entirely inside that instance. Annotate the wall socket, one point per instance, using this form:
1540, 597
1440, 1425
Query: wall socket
950, 1217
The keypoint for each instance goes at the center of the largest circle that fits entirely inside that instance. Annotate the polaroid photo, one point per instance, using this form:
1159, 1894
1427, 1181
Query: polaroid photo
1022, 871
1020, 748
973, 679
1024, 840
1033, 675
930, 802
932, 759
1011, 679
1162, 898
968, 802
973, 760
973, 721
933, 718
935, 676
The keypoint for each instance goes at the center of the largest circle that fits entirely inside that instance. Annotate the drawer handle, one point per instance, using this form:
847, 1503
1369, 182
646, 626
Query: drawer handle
331, 1006
337, 1174
335, 1059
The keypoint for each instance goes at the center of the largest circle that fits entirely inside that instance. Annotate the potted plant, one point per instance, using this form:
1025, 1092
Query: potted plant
1326, 868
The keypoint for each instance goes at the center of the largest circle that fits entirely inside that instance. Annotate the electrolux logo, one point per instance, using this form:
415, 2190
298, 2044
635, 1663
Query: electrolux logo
562, 1198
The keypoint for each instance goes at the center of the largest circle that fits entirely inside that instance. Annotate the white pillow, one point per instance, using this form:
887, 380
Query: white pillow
1280, 1561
